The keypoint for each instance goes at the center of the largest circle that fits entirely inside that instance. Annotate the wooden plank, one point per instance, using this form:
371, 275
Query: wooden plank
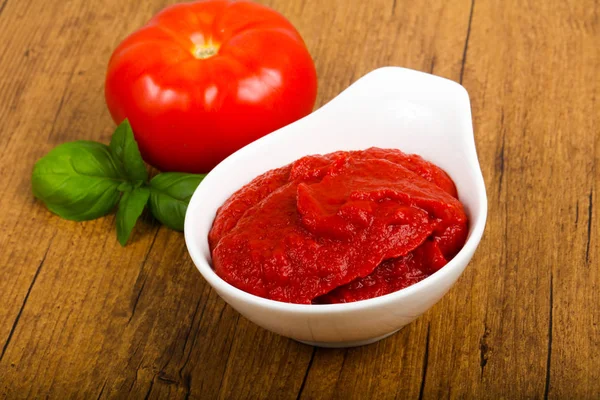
427, 41
50, 92
86, 315
536, 91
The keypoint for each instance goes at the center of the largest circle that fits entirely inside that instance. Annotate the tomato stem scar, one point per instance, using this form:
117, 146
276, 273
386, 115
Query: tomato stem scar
206, 51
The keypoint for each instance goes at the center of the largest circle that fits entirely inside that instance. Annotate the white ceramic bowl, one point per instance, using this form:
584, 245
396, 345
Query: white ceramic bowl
390, 108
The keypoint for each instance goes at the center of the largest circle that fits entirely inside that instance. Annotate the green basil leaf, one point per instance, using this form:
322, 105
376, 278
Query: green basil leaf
125, 150
125, 187
78, 180
170, 194
131, 206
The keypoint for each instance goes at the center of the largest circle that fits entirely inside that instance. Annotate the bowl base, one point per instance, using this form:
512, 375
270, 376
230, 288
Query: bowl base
335, 345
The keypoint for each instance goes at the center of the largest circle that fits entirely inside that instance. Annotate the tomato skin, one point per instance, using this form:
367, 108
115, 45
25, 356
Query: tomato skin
189, 113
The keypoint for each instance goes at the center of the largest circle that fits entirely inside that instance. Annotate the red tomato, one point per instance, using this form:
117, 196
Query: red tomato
203, 79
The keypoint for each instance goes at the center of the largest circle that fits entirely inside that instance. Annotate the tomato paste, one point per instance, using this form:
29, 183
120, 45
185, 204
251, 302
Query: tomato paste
339, 227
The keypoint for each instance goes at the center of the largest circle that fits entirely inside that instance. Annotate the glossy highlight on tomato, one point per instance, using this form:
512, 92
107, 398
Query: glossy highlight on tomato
202, 79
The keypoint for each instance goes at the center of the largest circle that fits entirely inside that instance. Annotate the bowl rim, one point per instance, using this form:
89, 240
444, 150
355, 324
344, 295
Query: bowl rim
460, 260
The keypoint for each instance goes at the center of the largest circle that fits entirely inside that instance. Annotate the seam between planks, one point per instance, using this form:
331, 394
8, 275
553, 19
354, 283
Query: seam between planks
464, 57
425, 363
549, 358
2, 6
101, 390
312, 357
18, 318
589, 226
143, 264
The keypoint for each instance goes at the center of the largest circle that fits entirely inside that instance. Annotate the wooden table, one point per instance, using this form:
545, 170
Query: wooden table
83, 317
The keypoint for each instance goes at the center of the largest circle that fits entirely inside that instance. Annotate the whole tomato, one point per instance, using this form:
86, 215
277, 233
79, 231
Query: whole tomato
202, 79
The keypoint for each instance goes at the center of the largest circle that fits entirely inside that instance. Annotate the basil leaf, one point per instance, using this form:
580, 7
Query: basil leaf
125, 187
77, 180
125, 150
170, 194
131, 207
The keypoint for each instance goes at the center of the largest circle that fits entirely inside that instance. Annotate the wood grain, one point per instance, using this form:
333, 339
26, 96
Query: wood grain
82, 317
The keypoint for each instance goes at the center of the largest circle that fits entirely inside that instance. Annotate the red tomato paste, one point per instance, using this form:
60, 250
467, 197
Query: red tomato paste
339, 227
